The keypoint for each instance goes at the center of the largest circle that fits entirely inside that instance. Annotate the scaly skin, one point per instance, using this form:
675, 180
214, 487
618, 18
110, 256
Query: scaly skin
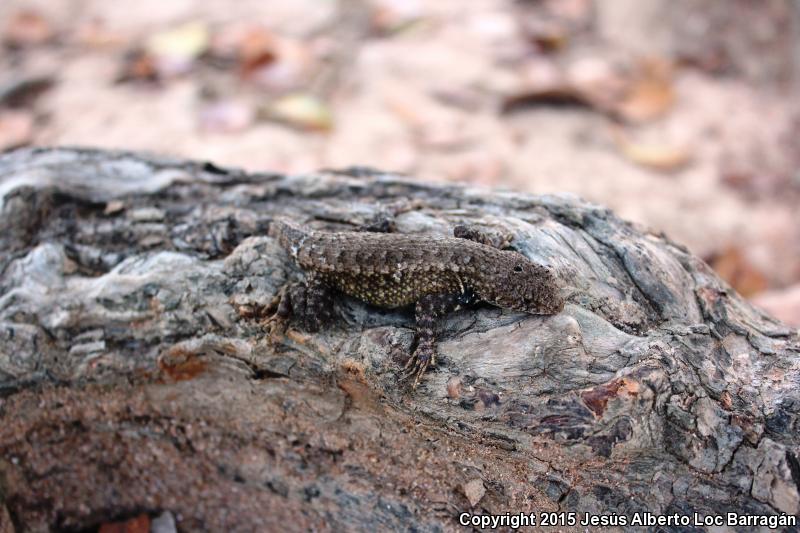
390, 270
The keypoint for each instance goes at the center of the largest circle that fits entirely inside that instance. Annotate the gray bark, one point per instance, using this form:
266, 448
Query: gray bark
137, 377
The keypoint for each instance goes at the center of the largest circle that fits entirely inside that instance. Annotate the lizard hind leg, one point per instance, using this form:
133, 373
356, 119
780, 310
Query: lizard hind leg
428, 310
318, 305
310, 304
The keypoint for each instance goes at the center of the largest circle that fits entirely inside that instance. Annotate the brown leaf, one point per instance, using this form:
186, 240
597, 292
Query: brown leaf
547, 35
257, 49
138, 65
660, 157
291, 66
650, 95
654, 155
26, 28
16, 129
590, 84
302, 111
138, 524
733, 266
22, 92
554, 96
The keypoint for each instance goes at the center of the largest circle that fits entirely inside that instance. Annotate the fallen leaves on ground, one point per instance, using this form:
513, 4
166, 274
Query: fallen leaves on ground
260, 56
554, 96
289, 70
254, 48
23, 92
300, 110
660, 156
650, 94
27, 28
643, 96
175, 50
138, 524
138, 65
586, 84
551, 24
733, 266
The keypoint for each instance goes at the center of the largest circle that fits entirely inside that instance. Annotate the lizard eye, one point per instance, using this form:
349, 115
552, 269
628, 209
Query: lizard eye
518, 268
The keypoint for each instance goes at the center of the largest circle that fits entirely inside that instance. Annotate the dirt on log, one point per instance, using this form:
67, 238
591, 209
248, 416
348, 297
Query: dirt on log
137, 379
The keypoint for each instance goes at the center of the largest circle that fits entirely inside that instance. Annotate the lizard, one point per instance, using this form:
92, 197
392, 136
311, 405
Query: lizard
435, 274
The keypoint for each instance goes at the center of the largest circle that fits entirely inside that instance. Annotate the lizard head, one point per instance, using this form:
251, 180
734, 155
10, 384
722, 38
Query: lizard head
522, 285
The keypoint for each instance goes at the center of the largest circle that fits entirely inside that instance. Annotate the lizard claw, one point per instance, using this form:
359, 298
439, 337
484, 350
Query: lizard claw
275, 327
416, 366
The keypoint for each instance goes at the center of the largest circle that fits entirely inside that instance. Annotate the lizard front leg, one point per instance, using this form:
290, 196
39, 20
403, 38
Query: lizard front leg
493, 238
428, 310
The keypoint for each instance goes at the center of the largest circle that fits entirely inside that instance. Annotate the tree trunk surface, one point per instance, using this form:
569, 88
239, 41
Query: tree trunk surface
137, 378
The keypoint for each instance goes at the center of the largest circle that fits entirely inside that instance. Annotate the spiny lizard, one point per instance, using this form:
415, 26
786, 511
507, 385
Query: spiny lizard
436, 274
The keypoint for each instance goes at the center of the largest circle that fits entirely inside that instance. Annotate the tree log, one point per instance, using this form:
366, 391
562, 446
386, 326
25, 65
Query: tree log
137, 377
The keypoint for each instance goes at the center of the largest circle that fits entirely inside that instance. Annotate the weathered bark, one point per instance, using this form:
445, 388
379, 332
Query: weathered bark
137, 378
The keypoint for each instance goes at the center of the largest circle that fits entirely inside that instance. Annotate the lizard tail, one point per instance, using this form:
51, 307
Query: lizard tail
289, 235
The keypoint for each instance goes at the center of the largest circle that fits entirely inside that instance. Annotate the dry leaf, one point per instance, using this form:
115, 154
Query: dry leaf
23, 92
474, 491
138, 65
564, 95
661, 157
139, 524
590, 83
257, 48
175, 50
263, 57
654, 155
391, 16
650, 95
184, 42
27, 28
292, 64
548, 35
16, 129
734, 267
302, 111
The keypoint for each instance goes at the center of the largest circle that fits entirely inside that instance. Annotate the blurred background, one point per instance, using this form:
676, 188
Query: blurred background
681, 115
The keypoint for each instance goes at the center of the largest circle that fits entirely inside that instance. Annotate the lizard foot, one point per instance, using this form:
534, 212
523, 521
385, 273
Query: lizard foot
417, 364
278, 312
275, 327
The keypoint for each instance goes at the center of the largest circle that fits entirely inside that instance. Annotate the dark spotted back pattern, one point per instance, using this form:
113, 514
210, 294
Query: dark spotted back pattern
393, 270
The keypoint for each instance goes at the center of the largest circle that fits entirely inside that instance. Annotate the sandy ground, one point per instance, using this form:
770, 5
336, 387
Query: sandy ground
680, 116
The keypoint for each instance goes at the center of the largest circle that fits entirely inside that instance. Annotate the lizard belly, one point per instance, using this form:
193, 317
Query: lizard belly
395, 290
